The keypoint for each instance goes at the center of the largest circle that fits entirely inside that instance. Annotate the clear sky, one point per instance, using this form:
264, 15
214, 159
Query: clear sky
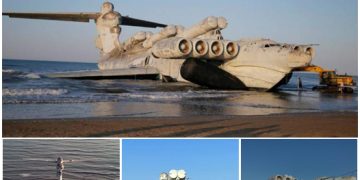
331, 23
304, 159
201, 159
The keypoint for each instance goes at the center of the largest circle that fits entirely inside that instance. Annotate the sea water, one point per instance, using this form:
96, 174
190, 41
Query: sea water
36, 159
29, 94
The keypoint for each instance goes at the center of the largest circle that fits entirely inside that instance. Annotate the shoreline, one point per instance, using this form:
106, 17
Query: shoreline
314, 124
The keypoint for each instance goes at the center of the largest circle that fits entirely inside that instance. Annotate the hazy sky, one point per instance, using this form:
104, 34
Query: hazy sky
304, 159
201, 159
330, 23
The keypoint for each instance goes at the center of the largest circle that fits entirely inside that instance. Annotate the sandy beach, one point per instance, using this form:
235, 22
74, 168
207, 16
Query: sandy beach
329, 124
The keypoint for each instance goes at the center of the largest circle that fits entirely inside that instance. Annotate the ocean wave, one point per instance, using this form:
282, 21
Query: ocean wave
34, 92
20, 74
8, 71
31, 76
175, 95
11, 96
25, 174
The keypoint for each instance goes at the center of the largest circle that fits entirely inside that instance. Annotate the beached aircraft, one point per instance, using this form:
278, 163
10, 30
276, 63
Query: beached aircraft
198, 54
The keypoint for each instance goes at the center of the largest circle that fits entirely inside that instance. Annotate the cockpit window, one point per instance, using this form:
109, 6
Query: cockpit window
271, 45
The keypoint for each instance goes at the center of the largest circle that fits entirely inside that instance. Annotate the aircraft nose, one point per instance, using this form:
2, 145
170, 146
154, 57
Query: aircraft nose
300, 56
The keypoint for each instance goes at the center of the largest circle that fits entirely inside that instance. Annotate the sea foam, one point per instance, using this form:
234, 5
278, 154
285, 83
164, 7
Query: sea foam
33, 92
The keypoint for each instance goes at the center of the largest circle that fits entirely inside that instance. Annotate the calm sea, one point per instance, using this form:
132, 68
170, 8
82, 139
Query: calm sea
35, 159
29, 94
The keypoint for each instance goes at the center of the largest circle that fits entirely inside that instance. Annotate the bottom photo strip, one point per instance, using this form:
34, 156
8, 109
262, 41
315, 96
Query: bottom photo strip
180, 159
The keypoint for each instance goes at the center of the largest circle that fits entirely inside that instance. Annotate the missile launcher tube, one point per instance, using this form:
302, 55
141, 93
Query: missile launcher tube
135, 39
173, 174
179, 29
181, 174
222, 22
163, 176
208, 24
167, 32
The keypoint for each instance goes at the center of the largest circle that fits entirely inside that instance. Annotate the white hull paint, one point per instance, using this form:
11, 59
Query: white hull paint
263, 63
263, 79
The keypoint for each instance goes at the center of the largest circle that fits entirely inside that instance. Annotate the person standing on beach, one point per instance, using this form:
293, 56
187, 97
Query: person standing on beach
299, 84
60, 166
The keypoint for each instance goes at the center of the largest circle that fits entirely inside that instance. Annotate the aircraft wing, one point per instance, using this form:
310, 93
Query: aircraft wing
82, 17
130, 73
126, 20
78, 17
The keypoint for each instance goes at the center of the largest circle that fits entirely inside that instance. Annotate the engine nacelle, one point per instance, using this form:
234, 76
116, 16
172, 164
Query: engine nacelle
172, 48
200, 48
167, 32
231, 49
216, 49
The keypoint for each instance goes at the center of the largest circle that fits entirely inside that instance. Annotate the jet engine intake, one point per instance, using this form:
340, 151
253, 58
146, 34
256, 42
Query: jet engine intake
216, 49
231, 49
200, 48
172, 48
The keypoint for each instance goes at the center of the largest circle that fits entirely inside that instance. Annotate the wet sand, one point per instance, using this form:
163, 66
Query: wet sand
329, 124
